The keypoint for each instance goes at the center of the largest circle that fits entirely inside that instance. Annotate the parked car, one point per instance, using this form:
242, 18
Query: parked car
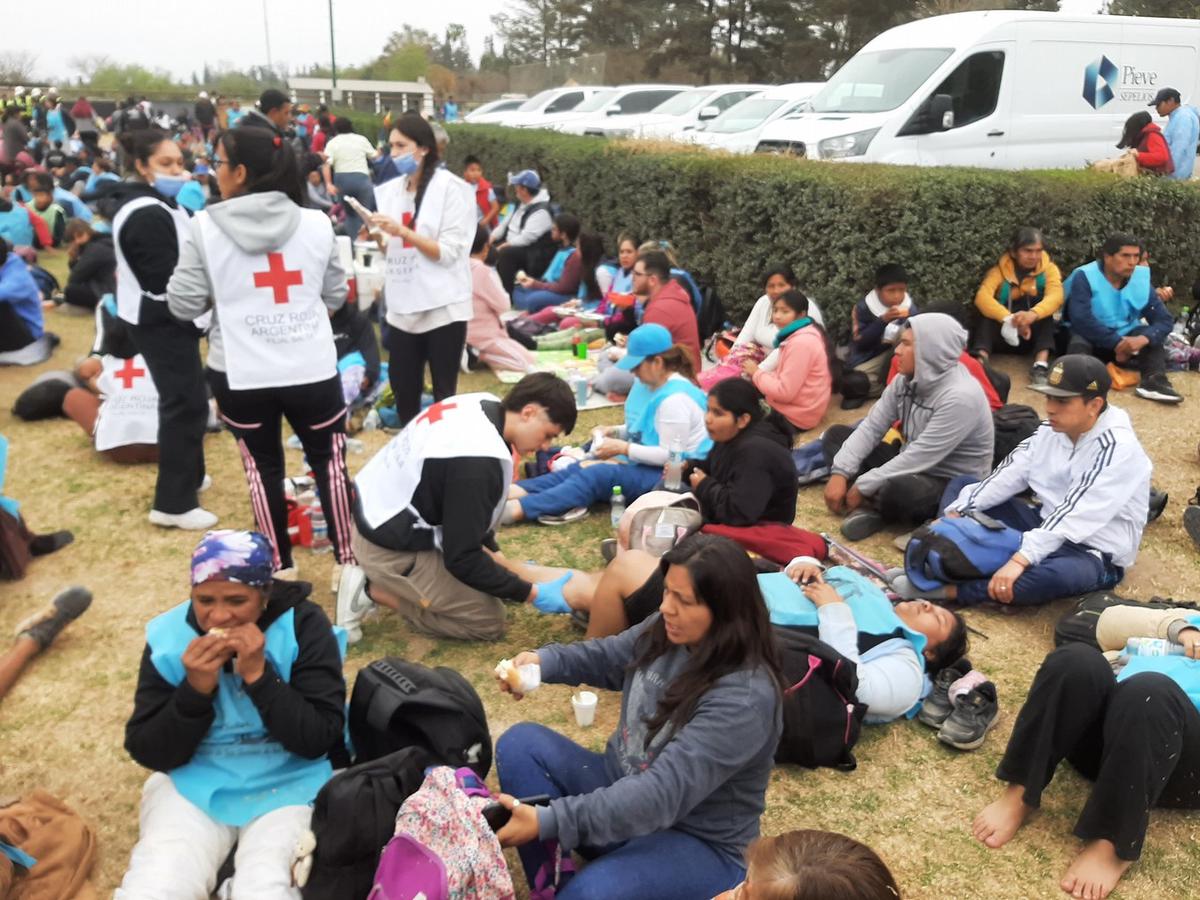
549, 103
491, 112
683, 111
738, 128
611, 111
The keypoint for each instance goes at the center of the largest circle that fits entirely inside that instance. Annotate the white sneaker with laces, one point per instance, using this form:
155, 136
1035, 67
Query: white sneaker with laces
198, 519
352, 602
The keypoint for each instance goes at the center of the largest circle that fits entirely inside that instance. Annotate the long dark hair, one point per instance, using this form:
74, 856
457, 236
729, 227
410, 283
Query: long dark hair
417, 130
1132, 132
591, 251
270, 161
798, 303
784, 271
738, 397
139, 145
724, 580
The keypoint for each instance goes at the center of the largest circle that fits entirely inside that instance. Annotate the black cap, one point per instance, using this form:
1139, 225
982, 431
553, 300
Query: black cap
1076, 375
1165, 94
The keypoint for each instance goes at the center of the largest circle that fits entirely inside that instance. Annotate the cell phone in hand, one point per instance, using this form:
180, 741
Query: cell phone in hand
361, 211
497, 816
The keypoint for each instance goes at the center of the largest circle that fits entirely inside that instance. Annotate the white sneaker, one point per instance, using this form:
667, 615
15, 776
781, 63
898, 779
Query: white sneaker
291, 573
205, 484
352, 602
198, 519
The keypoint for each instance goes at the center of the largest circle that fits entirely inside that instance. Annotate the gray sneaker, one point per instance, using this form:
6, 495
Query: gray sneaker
45, 626
860, 524
937, 707
974, 715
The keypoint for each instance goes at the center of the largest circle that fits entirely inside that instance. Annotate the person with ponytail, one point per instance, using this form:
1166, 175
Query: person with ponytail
149, 231
269, 271
666, 408
428, 216
799, 386
669, 808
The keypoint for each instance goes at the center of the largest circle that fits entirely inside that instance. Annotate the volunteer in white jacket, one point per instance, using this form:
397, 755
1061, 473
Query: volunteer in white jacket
269, 270
1092, 479
429, 217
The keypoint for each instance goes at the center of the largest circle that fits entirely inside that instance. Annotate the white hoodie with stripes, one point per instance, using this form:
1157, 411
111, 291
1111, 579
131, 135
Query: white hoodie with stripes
1094, 493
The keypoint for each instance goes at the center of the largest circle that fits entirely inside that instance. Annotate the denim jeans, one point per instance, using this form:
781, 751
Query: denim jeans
532, 300
356, 185
667, 865
1069, 571
578, 485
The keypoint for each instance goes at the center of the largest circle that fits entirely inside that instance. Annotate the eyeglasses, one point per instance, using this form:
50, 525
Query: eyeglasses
217, 162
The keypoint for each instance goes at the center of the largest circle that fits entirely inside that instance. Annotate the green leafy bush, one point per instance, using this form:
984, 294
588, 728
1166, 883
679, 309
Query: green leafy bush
731, 217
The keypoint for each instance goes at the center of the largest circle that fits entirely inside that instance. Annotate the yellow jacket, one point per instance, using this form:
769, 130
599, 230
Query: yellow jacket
1006, 270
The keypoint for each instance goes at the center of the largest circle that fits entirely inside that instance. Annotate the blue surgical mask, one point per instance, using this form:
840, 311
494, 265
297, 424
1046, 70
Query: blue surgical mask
406, 164
170, 185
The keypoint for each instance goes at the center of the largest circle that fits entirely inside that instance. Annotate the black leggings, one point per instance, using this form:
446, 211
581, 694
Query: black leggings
171, 349
1138, 740
407, 355
317, 413
14, 333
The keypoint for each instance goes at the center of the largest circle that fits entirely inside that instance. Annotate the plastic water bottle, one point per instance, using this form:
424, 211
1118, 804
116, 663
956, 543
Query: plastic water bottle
371, 422
320, 531
1143, 646
618, 506
674, 477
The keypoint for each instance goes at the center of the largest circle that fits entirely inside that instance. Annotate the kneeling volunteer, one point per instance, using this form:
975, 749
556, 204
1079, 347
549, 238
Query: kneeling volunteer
272, 271
427, 504
240, 703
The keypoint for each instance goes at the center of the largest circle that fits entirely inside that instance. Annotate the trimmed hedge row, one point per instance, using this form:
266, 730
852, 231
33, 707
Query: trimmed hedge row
731, 217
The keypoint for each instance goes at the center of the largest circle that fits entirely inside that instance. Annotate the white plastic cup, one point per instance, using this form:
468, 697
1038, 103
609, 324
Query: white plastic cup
584, 704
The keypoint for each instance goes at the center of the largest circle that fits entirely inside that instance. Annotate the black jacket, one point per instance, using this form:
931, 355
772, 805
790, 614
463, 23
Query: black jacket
461, 495
96, 266
352, 330
306, 715
751, 479
147, 237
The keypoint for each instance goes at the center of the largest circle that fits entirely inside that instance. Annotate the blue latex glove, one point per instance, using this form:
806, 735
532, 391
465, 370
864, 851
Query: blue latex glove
549, 597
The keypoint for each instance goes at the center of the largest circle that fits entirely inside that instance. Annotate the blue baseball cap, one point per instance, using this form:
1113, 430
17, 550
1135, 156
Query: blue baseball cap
645, 340
526, 178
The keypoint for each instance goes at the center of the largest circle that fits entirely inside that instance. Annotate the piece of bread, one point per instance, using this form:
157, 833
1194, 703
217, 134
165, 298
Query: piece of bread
218, 632
506, 671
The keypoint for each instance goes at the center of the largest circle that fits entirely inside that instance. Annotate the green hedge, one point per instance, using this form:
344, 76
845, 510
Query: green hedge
731, 217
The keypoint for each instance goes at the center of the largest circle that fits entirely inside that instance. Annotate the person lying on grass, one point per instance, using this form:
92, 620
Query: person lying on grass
668, 809
1135, 735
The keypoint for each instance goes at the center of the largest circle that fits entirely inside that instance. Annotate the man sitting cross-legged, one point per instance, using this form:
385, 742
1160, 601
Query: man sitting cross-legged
1092, 480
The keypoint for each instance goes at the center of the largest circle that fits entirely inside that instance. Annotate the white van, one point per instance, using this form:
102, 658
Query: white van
683, 111
491, 112
627, 101
738, 128
999, 89
550, 102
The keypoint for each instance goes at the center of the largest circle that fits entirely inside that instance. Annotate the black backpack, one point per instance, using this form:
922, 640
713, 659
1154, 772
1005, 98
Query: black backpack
354, 816
1079, 624
711, 318
398, 704
1011, 424
822, 717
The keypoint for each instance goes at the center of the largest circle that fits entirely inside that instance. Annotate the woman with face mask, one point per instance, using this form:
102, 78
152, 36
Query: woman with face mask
428, 217
148, 231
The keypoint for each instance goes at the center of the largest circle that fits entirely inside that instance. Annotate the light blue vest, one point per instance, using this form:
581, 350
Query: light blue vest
15, 226
555, 269
647, 434
1119, 310
239, 772
1181, 670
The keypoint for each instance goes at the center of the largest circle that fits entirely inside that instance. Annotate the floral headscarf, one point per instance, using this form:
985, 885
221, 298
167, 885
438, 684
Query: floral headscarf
226, 555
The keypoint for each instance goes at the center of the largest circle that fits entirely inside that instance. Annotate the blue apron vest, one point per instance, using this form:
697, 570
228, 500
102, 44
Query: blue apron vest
15, 226
239, 772
646, 434
557, 264
1181, 670
1119, 310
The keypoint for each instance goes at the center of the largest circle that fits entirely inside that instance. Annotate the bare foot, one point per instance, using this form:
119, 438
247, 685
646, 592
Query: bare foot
1095, 871
1001, 818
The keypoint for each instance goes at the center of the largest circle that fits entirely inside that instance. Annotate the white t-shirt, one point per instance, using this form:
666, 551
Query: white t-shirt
349, 153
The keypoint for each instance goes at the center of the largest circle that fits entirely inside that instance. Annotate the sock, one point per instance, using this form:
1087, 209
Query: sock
43, 544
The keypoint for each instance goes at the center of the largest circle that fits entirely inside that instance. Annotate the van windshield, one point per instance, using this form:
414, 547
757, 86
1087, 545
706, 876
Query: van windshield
537, 101
594, 102
878, 81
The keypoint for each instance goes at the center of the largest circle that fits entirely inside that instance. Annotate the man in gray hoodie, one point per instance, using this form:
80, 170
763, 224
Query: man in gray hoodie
945, 425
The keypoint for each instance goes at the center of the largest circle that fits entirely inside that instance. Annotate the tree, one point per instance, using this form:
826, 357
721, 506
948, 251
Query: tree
1172, 9
442, 80
17, 66
130, 79
542, 31
454, 52
491, 61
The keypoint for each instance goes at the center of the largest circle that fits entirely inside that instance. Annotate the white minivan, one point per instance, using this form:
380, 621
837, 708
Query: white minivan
997, 89
738, 128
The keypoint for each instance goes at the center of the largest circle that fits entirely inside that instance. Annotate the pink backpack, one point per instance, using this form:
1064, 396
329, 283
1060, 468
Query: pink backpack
443, 848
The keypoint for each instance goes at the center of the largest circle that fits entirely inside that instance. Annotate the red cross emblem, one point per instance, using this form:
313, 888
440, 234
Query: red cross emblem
435, 413
407, 221
128, 374
278, 278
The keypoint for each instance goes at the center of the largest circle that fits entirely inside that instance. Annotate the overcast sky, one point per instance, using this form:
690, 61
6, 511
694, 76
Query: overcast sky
181, 37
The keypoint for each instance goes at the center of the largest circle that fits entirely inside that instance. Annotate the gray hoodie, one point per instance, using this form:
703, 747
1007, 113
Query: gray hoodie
943, 414
257, 223
708, 780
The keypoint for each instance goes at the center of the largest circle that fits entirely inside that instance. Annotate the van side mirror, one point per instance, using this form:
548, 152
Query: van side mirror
941, 111
614, 111
708, 112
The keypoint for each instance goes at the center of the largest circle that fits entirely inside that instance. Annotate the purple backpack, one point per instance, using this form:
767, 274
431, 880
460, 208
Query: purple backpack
408, 870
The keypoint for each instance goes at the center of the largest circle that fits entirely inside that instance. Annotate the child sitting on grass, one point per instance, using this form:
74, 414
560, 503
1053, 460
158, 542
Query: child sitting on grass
875, 324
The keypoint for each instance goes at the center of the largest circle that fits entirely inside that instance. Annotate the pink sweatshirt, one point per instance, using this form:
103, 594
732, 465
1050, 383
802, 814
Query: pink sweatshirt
489, 301
800, 385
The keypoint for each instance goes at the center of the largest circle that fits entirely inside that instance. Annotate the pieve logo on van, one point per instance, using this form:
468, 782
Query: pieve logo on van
1104, 81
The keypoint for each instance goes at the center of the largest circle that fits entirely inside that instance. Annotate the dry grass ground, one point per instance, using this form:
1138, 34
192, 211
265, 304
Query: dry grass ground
911, 797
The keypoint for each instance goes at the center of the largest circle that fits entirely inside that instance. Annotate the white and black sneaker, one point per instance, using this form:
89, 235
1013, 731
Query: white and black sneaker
1159, 389
353, 602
